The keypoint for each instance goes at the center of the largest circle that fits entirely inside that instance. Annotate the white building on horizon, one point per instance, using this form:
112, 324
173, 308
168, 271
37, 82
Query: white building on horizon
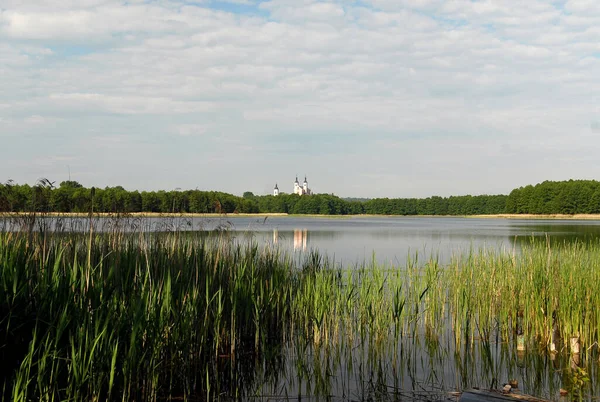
304, 190
298, 189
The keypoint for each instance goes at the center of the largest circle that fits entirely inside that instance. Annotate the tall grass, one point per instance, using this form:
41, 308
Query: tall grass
147, 314
547, 287
132, 315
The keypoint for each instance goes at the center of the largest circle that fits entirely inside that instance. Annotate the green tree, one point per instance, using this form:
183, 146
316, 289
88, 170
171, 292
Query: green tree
70, 184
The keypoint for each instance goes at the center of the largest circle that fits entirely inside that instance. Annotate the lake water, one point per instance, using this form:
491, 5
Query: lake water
391, 240
354, 240
418, 367
427, 369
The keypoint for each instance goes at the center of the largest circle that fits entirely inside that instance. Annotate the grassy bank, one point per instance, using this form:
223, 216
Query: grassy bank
143, 316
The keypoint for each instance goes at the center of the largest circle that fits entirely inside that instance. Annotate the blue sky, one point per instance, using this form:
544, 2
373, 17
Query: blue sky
372, 98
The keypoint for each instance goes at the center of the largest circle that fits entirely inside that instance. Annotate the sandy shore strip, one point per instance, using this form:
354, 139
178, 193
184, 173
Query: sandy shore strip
540, 216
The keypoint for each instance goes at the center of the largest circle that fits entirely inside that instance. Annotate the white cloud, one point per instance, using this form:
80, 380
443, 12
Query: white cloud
244, 2
316, 81
95, 102
96, 23
189, 129
44, 25
583, 6
36, 119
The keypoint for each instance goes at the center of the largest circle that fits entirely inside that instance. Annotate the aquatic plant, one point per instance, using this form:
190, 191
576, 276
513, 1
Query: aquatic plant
136, 315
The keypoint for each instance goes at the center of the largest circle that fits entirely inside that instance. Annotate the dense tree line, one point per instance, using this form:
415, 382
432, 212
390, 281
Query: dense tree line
461, 205
566, 197
71, 196
318, 204
550, 197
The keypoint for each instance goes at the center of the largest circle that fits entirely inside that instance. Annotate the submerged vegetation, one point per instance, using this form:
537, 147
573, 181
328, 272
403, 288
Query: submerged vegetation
152, 316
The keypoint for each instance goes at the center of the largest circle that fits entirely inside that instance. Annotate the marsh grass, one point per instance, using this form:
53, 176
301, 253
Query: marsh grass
139, 315
546, 287
147, 314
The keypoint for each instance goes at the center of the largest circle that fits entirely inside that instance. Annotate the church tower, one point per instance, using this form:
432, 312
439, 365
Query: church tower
276, 190
297, 189
305, 186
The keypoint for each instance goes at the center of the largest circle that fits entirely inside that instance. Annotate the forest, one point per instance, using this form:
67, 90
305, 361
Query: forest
564, 197
550, 197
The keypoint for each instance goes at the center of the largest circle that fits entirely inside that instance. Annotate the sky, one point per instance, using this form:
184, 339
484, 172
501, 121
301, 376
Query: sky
370, 98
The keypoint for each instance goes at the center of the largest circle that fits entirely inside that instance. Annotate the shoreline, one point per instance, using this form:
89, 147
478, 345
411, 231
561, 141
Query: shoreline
539, 216
286, 215
140, 214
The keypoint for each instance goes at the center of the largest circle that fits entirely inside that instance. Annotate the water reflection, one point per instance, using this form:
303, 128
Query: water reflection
419, 368
391, 240
300, 239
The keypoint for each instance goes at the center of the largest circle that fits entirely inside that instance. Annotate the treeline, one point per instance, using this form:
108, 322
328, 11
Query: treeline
317, 204
70, 196
332, 205
565, 197
550, 197
454, 205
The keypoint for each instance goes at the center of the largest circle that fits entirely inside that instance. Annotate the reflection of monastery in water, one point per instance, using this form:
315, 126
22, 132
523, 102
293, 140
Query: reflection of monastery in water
300, 190
300, 238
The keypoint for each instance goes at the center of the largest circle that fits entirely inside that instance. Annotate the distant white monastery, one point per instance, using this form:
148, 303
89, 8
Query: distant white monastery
300, 190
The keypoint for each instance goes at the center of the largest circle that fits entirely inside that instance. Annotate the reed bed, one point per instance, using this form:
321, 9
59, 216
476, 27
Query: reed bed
126, 315
548, 293
141, 317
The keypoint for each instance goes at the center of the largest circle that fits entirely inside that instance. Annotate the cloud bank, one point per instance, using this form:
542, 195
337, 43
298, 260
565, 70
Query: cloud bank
367, 98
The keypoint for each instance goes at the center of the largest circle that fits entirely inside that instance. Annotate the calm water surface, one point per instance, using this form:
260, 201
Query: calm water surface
354, 240
392, 239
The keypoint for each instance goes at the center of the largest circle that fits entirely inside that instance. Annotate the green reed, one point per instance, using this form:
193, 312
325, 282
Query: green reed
546, 287
149, 316
144, 313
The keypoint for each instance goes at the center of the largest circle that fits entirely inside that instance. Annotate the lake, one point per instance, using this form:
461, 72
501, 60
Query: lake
356, 239
352, 240
391, 239
425, 362
429, 366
